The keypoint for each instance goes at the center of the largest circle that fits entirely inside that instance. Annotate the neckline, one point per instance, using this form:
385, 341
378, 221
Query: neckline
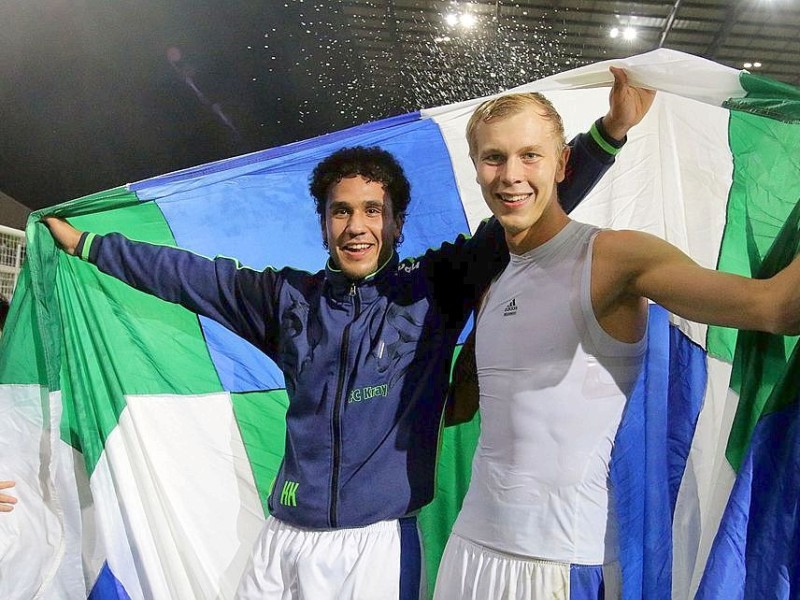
551, 245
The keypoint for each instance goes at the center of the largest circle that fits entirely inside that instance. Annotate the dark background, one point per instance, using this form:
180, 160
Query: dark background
99, 93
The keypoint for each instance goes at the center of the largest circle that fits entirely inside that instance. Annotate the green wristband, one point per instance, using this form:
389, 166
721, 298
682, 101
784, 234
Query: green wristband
601, 141
87, 246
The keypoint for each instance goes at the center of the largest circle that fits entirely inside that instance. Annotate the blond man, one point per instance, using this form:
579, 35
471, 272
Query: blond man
560, 341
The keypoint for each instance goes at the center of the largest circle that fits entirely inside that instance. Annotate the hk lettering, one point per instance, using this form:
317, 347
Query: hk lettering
289, 493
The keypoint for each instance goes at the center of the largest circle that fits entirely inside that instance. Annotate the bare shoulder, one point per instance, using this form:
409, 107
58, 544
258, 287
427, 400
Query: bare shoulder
616, 265
620, 239
622, 256
625, 245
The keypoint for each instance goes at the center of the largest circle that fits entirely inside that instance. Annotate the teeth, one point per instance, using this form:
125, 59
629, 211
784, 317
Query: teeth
513, 197
357, 246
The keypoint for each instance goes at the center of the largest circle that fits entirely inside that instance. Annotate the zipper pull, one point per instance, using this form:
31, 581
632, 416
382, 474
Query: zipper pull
353, 288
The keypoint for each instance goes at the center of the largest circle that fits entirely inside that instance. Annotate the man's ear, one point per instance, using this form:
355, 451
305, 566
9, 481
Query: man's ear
562, 164
399, 222
324, 231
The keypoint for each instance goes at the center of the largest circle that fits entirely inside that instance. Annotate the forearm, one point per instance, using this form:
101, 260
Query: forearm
727, 300
592, 155
784, 300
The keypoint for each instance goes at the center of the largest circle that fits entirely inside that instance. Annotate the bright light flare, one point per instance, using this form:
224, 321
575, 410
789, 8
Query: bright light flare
468, 20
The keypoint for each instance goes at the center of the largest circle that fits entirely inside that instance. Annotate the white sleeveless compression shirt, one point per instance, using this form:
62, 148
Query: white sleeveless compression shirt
553, 386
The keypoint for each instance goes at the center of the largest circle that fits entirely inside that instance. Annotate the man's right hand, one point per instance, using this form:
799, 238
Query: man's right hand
627, 105
64, 233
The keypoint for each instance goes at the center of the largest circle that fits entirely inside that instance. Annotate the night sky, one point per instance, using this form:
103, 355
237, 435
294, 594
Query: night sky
99, 93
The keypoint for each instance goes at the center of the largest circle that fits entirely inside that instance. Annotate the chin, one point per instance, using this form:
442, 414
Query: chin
358, 272
512, 225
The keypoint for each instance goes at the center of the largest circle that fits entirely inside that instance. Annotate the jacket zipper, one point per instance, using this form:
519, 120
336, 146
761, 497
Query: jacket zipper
337, 410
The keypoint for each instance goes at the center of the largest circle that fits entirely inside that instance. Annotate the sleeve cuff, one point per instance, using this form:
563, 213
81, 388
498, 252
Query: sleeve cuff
84, 246
602, 139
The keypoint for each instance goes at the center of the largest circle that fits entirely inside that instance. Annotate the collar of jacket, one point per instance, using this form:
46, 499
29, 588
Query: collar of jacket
367, 288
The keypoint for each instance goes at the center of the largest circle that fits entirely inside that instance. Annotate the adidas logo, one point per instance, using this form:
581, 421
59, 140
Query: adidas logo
510, 309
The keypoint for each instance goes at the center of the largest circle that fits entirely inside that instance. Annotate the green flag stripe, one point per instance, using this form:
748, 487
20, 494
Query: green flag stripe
21, 355
453, 472
452, 480
760, 236
112, 340
768, 98
262, 423
766, 368
42, 258
765, 188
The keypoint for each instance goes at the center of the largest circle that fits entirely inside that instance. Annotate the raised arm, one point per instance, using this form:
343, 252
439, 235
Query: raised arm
238, 298
593, 153
627, 105
641, 265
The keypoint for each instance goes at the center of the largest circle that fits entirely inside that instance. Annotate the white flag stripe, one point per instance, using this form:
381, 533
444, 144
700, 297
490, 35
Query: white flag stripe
706, 483
180, 470
40, 539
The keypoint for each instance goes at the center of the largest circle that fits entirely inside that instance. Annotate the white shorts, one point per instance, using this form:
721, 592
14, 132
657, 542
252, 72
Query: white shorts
469, 571
377, 562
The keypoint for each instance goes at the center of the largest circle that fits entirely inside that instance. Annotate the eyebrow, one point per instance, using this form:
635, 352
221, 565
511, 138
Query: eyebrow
334, 204
523, 150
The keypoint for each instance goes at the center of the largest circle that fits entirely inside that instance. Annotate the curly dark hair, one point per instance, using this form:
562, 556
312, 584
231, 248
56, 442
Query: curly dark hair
373, 164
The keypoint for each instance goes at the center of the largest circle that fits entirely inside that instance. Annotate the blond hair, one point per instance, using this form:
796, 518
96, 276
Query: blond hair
512, 104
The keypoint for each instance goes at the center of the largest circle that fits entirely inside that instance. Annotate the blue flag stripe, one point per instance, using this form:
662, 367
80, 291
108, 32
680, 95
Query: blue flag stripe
656, 430
756, 552
149, 189
107, 586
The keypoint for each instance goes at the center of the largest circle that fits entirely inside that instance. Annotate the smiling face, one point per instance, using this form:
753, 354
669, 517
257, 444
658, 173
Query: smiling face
519, 160
359, 226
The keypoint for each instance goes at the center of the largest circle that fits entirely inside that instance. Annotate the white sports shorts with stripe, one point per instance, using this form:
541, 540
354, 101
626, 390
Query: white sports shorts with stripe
382, 561
469, 571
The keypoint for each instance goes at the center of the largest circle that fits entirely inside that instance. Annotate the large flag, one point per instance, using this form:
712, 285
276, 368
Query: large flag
144, 439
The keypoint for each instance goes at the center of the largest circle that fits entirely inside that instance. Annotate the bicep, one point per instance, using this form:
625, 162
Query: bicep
664, 274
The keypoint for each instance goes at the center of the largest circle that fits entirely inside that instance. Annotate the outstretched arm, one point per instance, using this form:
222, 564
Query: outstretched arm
7, 502
641, 265
238, 298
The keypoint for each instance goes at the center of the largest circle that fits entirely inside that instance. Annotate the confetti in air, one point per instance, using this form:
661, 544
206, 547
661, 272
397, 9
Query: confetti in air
370, 59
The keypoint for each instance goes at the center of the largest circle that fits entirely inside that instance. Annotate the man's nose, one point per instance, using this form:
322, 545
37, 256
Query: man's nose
512, 171
356, 223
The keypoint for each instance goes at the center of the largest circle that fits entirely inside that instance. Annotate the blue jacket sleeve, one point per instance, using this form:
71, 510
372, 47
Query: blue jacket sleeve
240, 299
592, 155
461, 270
